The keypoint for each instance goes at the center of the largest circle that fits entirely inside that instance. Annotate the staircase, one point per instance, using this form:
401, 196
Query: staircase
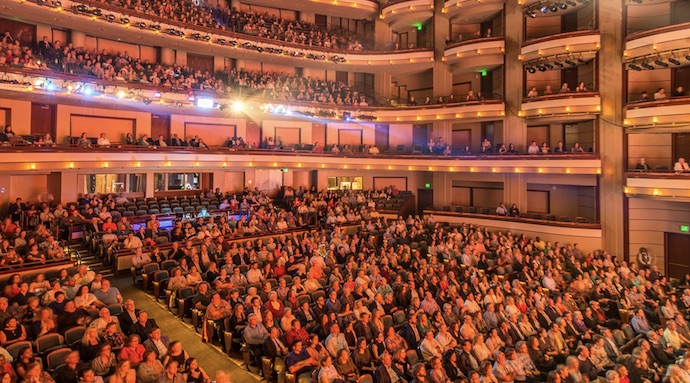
81, 253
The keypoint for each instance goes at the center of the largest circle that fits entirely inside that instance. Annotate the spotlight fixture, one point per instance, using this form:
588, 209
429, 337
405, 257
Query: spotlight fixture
97, 12
674, 61
563, 6
541, 67
554, 8
571, 3
207, 38
81, 8
635, 67
661, 63
196, 36
636, 1
531, 69
548, 66
646, 65
532, 14
140, 24
221, 41
544, 9
57, 4
124, 20
155, 27
147, 101
570, 62
338, 59
687, 57
110, 18
558, 64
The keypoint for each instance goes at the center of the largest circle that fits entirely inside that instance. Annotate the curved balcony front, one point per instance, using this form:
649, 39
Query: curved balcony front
666, 113
477, 53
582, 106
213, 41
568, 43
668, 38
351, 9
675, 186
407, 12
471, 11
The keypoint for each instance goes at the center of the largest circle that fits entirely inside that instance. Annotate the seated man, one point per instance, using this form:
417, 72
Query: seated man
681, 166
299, 363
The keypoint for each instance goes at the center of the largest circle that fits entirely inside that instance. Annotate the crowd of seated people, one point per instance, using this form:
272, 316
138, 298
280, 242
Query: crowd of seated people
264, 25
470, 96
533, 92
660, 94
560, 148
415, 300
53, 56
476, 35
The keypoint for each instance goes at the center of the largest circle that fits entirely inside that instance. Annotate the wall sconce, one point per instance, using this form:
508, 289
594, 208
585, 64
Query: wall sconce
105, 164
32, 166
70, 165
168, 164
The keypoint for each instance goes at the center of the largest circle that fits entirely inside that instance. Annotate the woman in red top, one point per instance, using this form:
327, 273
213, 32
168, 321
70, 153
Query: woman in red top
133, 350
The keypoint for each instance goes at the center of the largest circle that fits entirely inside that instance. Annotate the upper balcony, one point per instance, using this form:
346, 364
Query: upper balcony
653, 41
27, 84
561, 44
662, 113
477, 53
576, 106
407, 12
471, 11
155, 31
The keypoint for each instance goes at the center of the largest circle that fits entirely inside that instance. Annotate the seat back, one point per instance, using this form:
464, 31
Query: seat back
74, 335
16, 347
412, 357
48, 341
56, 358
628, 331
150, 268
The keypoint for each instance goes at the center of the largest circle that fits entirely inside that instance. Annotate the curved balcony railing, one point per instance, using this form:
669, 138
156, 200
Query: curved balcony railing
661, 39
472, 11
657, 113
572, 103
132, 94
488, 50
402, 11
659, 184
561, 44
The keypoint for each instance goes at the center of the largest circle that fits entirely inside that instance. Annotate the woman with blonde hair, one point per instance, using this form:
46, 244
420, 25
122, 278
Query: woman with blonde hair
90, 345
124, 373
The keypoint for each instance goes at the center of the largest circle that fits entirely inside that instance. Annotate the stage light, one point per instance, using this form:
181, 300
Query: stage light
558, 64
548, 66
110, 18
570, 62
205, 103
97, 12
157, 95
646, 65
571, 3
542, 67
87, 91
121, 94
563, 6
237, 106
674, 61
634, 66
531, 69
553, 8
50, 86
544, 9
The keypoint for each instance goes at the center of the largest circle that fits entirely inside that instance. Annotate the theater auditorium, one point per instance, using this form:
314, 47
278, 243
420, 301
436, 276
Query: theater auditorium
344, 191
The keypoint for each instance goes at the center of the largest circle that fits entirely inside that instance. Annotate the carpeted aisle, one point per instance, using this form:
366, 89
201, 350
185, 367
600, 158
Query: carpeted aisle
210, 357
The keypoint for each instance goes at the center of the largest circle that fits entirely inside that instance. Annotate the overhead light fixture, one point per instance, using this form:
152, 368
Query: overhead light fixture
544, 9
542, 67
634, 66
554, 8
570, 62
571, 3
661, 63
548, 66
674, 61
110, 18
646, 65
563, 6
558, 64
531, 69
97, 12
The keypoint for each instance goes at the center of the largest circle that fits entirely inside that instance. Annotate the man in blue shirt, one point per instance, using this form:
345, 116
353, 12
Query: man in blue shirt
300, 363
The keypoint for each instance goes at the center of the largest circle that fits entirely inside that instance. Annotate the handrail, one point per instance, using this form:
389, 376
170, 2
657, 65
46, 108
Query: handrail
656, 31
670, 101
668, 174
537, 40
474, 41
288, 152
561, 96
579, 225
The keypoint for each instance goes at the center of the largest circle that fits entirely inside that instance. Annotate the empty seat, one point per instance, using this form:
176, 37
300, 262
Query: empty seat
142, 212
564, 219
472, 210
178, 210
166, 210
485, 210
458, 209
550, 217
129, 213
580, 219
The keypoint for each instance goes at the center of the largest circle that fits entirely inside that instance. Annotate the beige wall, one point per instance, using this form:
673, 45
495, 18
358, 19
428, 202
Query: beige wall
648, 219
268, 128
179, 121
399, 134
65, 113
28, 186
18, 112
656, 149
415, 180
367, 129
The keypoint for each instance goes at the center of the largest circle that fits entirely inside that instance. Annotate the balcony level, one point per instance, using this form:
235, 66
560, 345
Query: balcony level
576, 106
667, 38
562, 44
407, 12
213, 41
665, 113
661, 185
130, 158
471, 11
476, 53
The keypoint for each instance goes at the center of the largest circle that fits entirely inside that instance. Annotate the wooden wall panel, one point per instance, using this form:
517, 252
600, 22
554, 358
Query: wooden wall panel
116, 128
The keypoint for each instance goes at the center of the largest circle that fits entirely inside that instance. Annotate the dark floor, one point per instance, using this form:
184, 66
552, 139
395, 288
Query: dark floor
210, 357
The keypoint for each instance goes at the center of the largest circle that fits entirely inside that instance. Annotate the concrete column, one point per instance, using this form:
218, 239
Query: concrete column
180, 57
443, 79
68, 186
515, 190
442, 129
150, 184
441, 30
382, 86
442, 186
611, 132
383, 35
167, 56
218, 63
78, 38
515, 128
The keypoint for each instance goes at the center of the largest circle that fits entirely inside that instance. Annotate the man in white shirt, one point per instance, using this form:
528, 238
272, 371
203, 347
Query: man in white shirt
103, 140
681, 165
533, 148
133, 242
140, 258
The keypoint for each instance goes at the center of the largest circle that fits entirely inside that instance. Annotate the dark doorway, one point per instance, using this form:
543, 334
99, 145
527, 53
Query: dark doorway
569, 22
681, 146
43, 119
420, 135
460, 139
425, 199
160, 124
381, 136
570, 76
676, 249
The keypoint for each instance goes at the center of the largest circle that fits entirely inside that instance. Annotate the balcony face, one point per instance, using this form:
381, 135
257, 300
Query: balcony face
244, 46
663, 39
667, 113
407, 12
471, 11
561, 44
582, 105
658, 185
351, 9
171, 159
477, 53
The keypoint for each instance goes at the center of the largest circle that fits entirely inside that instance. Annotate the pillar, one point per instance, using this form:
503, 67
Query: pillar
611, 132
167, 56
78, 38
383, 35
307, 17
150, 184
382, 86
443, 129
515, 128
515, 190
441, 29
180, 57
218, 63
442, 186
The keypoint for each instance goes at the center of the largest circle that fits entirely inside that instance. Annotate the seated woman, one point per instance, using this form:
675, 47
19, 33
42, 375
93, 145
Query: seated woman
133, 350
12, 332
